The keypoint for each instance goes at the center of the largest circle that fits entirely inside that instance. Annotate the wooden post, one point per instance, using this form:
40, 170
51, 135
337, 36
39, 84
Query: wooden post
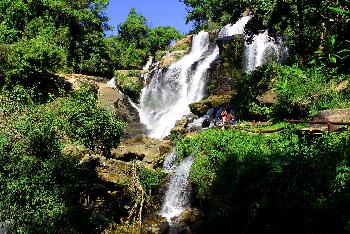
329, 125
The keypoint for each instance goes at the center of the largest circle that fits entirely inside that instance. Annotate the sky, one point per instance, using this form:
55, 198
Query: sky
157, 12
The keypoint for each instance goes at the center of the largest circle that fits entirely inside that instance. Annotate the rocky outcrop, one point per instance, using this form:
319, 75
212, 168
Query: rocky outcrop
224, 73
171, 58
189, 221
156, 224
180, 126
335, 115
177, 51
143, 148
200, 108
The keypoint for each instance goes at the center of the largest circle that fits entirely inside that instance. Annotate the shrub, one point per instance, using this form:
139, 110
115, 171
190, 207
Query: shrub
130, 84
31, 61
271, 183
42, 189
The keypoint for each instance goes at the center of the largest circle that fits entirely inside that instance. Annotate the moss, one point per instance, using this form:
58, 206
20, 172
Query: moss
224, 73
130, 83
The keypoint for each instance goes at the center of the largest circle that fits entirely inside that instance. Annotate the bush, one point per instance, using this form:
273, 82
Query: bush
301, 92
31, 61
150, 179
42, 189
271, 183
130, 84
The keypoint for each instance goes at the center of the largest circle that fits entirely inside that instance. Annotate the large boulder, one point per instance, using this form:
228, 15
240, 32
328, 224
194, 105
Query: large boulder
179, 49
155, 224
143, 148
189, 221
200, 108
335, 115
180, 127
171, 58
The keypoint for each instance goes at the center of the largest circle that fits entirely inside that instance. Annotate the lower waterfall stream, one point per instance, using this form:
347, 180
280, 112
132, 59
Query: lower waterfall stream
177, 196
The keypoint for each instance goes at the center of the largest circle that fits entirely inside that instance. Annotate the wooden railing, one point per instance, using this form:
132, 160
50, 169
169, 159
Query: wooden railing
328, 123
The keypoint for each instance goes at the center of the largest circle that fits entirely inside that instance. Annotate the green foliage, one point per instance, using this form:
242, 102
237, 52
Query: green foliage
159, 38
42, 189
80, 118
135, 41
271, 183
150, 179
300, 92
130, 84
75, 29
204, 13
30, 61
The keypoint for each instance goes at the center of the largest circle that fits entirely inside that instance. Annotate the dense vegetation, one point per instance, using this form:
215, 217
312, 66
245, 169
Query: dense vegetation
277, 183
42, 184
40, 38
285, 182
46, 128
249, 183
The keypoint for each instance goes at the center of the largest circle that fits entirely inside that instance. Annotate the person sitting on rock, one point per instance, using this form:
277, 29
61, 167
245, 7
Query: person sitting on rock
223, 118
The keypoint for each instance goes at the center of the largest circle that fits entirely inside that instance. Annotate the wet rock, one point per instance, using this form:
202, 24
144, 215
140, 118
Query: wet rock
189, 221
143, 148
180, 126
268, 97
184, 43
115, 171
200, 108
156, 224
171, 57
224, 73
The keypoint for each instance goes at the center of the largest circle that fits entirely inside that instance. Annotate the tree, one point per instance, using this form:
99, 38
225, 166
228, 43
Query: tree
160, 37
134, 29
135, 41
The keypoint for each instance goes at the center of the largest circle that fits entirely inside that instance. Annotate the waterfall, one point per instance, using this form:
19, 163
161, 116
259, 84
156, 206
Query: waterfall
234, 29
167, 96
177, 196
262, 50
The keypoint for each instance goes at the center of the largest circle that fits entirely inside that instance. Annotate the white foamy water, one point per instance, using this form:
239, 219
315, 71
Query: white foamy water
262, 50
167, 96
177, 196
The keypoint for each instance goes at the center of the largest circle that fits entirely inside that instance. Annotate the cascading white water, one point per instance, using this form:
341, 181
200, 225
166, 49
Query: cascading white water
262, 50
166, 98
234, 29
177, 196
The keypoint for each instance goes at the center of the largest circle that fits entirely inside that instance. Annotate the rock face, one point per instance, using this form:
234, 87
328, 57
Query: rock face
201, 107
224, 72
180, 126
156, 224
178, 50
336, 115
189, 221
142, 148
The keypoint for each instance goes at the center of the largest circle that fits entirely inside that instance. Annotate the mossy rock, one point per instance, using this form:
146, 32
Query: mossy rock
183, 44
224, 73
130, 83
201, 108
